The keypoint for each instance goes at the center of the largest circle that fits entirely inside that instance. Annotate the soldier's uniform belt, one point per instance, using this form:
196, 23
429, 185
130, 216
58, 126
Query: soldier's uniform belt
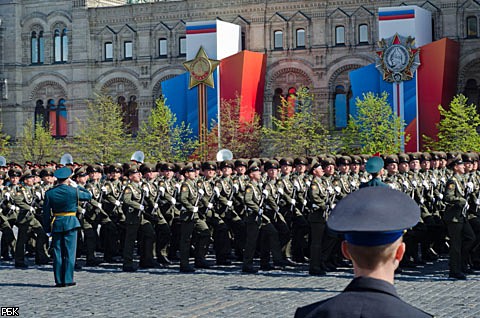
64, 214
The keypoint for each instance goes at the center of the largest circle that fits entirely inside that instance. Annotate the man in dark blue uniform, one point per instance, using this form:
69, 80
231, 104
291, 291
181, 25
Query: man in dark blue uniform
373, 220
374, 166
59, 218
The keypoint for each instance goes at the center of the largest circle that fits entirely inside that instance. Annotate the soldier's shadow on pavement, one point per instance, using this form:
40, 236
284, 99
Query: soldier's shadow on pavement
25, 285
283, 289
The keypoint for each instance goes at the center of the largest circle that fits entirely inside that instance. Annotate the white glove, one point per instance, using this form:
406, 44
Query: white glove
210, 205
229, 203
155, 206
414, 183
217, 191
13, 207
39, 195
7, 195
308, 183
293, 202
162, 191
147, 192
338, 189
32, 209
83, 211
330, 190
425, 184
422, 200
49, 234
100, 206
174, 201
477, 201
470, 186
332, 206
467, 206
405, 184
141, 208
201, 192
104, 189
434, 181
73, 183
296, 185
117, 203
235, 186
280, 190
177, 185
195, 209
305, 202
443, 179
265, 193
440, 196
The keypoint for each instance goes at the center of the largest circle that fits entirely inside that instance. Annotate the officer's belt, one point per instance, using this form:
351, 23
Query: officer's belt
65, 214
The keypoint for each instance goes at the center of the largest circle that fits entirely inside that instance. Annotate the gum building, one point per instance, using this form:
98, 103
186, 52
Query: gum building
56, 54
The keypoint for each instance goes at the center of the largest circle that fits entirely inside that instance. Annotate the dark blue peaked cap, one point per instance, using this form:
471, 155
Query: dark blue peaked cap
374, 216
63, 173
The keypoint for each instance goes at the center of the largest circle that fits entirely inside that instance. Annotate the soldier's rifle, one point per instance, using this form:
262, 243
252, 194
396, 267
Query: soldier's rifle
305, 195
195, 206
259, 217
142, 201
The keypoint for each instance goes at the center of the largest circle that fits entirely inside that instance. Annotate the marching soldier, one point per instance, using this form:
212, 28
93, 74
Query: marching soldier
221, 241
190, 197
135, 223
459, 230
112, 233
318, 201
7, 238
24, 199
153, 213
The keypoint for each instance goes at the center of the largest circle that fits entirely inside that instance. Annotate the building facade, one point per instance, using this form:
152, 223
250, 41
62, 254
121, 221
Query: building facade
57, 54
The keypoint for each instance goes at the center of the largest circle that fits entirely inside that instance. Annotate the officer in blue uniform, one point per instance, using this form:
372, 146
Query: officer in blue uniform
374, 166
59, 218
373, 220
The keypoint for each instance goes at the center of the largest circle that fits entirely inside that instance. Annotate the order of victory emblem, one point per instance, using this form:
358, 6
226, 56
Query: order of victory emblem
397, 58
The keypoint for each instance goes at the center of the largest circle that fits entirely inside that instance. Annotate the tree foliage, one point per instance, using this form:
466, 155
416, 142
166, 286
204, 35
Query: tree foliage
457, 130
36, 143
298, 133
4, 143
375, 128
102, 136
239, 133
161, 139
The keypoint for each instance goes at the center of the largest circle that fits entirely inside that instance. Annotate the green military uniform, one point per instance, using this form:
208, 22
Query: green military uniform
459, 230
192, 223
136, 224
24, 199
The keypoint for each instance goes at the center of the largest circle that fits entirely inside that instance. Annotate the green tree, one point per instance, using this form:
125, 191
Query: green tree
298, 132
457, 130
4, 143
241, 135
161, 139
102, 136
375, 128
36, 143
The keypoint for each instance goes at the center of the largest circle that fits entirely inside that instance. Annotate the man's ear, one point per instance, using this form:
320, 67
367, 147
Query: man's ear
345, 250
400, 251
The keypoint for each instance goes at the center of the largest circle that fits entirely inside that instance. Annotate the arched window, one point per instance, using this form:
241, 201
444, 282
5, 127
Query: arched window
64, 45
162, 47
57, 44
182, 46
340, 107
472, 27
300, 38
37, 47
363, 34
40, 114
277, 103
108, 51
472, 92
278, 40
340, 35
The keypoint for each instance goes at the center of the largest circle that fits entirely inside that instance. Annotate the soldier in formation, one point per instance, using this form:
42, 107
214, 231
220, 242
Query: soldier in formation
265, 208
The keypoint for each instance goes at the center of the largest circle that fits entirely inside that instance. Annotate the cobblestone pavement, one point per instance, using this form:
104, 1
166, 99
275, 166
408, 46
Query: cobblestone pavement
105, 291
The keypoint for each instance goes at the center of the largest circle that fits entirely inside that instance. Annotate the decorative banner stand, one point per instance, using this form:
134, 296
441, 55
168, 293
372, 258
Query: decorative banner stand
201, 70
